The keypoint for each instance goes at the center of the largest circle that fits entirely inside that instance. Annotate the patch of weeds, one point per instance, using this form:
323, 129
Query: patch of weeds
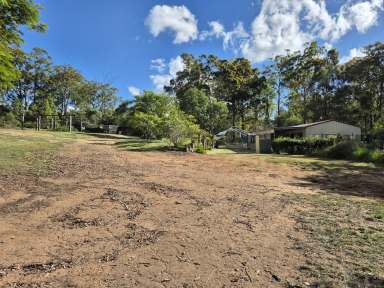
345, 239
167, 191
27, 285
376, 212
109, 257
365, 281
70, 221
138, 236
133, 203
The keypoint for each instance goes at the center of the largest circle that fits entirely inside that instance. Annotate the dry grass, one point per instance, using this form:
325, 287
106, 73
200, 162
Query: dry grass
106, 214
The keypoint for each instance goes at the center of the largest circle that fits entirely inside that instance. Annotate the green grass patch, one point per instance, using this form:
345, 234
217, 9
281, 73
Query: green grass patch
347, 237
315, 163
142, 145
29, 151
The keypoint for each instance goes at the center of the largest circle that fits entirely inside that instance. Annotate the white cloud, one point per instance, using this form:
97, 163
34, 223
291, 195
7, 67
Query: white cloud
231, 39
175, 65
216, 30
328, 46
175, 18
353, 53
281, 25
160, 80
287, 25
134, 90
158, 64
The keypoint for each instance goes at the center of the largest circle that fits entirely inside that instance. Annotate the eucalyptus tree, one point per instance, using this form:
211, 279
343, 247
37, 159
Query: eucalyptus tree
64, 84
364, 79
196, 74
299, 70
14, 14
237, 82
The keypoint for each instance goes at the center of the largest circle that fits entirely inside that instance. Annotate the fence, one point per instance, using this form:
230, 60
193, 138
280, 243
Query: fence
42, 122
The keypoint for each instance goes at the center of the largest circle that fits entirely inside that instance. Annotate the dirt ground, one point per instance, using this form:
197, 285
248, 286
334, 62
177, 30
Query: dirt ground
105, 217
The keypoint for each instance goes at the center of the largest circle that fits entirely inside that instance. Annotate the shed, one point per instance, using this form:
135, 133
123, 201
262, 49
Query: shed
327, 128
261, 140
110, 129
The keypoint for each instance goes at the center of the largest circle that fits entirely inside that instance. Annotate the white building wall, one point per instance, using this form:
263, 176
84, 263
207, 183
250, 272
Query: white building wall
333, 128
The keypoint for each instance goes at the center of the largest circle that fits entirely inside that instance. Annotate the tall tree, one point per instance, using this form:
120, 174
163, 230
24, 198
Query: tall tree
13, 15
236, 83
299, 71
65, 83
210, 113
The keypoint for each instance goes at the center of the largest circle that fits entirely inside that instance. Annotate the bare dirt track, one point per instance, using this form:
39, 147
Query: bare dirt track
104, 217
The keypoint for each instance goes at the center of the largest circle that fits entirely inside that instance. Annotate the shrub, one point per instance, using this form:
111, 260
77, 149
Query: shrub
300, 146
378, 137
350, 150
376, 156
342, 150
200, 149
8, 120
361, 153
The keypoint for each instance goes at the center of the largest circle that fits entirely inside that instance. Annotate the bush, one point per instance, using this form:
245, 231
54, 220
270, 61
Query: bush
300, 146
378, 137
342, 150
200, 149
376, 156
8, 120
349, 150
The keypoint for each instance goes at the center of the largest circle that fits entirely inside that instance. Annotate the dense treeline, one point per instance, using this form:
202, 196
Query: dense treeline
207, 96
300, 87
31, 85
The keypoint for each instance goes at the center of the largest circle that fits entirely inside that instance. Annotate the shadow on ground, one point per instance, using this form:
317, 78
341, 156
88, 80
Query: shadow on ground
135, 144
107, 136
344, 179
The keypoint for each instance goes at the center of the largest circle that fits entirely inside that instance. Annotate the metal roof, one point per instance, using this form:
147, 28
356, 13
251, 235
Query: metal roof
302, 126
263, 132
232, 129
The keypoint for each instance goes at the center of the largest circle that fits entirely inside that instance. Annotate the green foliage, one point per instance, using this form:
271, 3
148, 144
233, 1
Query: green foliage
288, 119
8, 120
44, 89
13, 15
157, 115
351, 150
209, 112
200, 149
149, 113
301, 146
342, 150
378, 137
178, 127
363, 153
234, 81
148, 126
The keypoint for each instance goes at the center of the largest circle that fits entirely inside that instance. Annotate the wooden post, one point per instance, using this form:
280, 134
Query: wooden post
70, 123
257, 144
22, 120
38, 123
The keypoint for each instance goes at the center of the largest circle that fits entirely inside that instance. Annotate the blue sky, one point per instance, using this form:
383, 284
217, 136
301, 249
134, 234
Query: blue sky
116, 40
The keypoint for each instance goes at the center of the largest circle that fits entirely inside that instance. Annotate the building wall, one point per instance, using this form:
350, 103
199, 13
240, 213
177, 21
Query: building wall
333, 128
